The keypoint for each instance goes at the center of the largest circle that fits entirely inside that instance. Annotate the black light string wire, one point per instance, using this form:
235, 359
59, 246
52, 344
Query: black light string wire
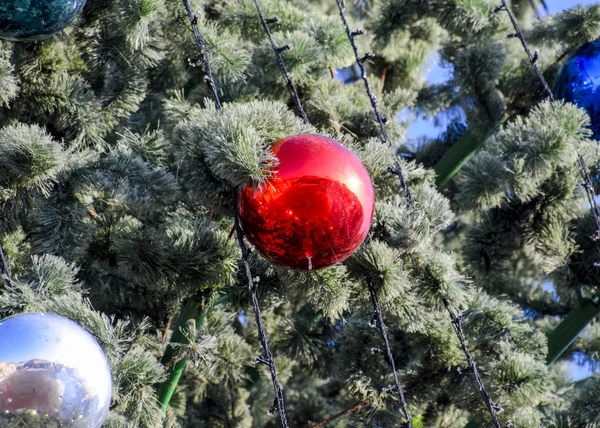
203, 48
267, 358
544, 5
587, 180
396, 170
4, 269
455, 316
388, 351
278, 51
492, 407
535, 9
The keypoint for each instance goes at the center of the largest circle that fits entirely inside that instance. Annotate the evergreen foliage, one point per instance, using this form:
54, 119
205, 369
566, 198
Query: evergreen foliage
115, 209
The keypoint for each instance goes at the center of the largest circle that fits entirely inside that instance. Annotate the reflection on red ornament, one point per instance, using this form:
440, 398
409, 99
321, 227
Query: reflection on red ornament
317, 209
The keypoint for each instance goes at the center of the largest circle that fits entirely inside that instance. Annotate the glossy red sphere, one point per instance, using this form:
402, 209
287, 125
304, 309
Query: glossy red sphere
315, 211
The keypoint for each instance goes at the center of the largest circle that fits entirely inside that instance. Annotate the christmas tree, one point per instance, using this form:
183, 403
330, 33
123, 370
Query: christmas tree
127, 138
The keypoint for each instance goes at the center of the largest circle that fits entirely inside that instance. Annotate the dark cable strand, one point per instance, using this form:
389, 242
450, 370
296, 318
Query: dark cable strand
535, 9
388, 351
252, 287
278, 51
397, 169
532, 58
492, 407
204, 54
587, 181
267, 359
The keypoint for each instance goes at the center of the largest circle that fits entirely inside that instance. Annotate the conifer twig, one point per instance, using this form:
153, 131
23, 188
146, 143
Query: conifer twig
3, 265
397, 169
406, 383
167, 328
457, 325
4, 269
587, 181
267, 359
351, 409
278, 51
174, 365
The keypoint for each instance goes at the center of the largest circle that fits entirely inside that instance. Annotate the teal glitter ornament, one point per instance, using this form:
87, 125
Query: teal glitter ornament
24, 20
578, 82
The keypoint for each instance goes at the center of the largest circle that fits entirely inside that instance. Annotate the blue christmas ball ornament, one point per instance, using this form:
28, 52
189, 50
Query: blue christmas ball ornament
22, 20
52, 373
579, 82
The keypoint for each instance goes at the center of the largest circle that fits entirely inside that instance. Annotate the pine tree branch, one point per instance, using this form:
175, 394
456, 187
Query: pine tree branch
351, 409
167, 328
587, 181
457, 325
4, 269
278, 51
252, 286
396, 170
268, 357
407, 383
388, 350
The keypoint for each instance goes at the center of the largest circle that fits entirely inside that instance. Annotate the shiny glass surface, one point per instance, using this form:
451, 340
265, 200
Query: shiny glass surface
315, 211
22, 20
52, 373
579, 82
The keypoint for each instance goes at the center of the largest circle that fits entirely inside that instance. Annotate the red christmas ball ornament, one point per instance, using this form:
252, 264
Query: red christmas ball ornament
315, 211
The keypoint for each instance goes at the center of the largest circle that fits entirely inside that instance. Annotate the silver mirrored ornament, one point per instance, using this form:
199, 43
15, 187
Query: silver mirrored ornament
53, 373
